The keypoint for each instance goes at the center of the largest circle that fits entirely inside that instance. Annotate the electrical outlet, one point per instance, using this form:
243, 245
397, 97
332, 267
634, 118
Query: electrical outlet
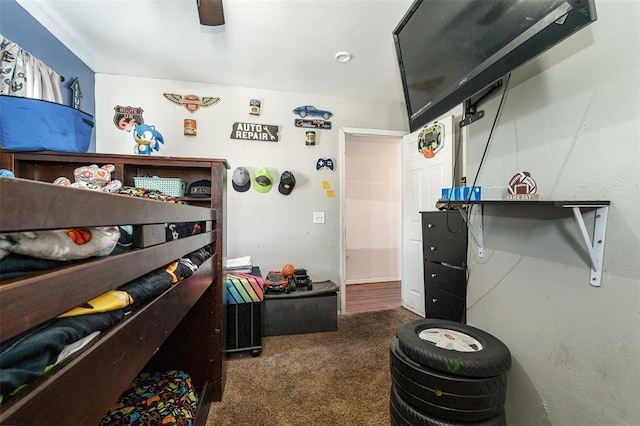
318, 217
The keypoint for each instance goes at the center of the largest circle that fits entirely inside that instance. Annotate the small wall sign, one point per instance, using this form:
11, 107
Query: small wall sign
255, 132
191, 102
313, 124
127, 117
76, 93
254, 106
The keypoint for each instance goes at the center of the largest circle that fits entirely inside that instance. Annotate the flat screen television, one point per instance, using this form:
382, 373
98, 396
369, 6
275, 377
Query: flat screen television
450, 51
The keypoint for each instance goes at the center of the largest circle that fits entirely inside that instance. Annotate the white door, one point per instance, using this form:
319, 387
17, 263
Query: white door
422, 181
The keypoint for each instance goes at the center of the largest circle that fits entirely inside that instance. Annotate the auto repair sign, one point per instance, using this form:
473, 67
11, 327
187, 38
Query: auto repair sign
255, 132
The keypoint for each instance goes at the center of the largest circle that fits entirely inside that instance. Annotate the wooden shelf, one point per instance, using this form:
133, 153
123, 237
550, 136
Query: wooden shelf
542, 203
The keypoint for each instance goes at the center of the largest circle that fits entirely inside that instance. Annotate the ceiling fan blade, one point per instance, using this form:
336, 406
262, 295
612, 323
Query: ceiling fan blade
210, 12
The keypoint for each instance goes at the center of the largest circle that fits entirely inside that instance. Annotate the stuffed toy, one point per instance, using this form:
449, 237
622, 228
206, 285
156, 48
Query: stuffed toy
92, 177
61, 244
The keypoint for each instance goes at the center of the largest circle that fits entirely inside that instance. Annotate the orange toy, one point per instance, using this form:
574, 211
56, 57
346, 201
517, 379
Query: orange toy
288, 270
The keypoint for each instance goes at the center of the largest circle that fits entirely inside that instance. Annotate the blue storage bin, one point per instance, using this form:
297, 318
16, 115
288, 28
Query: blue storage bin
461, 193
35, 125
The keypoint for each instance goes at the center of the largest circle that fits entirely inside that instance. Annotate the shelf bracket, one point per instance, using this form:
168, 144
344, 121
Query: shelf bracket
595, 248
478, 232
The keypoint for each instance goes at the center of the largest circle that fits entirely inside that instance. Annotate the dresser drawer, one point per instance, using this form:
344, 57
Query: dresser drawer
441, 224
444, 237
445, 290
447, 251
442, 278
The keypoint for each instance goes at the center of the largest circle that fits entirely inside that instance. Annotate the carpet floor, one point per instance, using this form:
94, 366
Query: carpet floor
330, 378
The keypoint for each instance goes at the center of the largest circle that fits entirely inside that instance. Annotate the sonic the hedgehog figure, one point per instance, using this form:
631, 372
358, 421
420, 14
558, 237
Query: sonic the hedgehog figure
147, 138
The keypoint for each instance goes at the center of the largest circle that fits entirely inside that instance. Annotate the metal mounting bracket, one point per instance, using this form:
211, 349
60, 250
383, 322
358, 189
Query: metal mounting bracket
595, 248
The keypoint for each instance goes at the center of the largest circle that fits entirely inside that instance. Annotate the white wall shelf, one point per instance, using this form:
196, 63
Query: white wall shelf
595, 248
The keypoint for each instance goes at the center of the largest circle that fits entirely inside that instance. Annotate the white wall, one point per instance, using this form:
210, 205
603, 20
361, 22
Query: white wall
272, 228
373, 209
571, 119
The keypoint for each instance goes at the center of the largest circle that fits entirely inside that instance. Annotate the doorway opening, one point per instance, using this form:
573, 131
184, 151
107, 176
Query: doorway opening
371, 219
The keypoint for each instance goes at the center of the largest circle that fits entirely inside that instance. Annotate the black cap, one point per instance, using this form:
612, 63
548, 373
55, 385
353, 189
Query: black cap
287, 182
200, 188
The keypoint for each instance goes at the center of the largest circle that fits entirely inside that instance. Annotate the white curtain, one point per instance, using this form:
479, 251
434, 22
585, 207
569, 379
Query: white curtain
27, 76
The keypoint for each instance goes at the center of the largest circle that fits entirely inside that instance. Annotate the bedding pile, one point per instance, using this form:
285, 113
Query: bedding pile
155, 398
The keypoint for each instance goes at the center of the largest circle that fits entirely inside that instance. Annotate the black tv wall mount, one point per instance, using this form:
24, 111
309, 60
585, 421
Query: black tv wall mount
471, 112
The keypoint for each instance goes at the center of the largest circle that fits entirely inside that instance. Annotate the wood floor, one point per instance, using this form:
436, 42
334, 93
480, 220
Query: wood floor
373, 296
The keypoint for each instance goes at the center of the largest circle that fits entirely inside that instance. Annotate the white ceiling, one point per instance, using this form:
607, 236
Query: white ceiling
287, 45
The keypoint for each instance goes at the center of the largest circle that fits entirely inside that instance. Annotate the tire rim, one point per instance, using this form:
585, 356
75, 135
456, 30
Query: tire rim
450, 339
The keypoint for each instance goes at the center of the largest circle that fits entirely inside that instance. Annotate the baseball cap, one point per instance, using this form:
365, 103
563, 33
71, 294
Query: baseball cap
241, 179
263, 180
287, 182
201, 188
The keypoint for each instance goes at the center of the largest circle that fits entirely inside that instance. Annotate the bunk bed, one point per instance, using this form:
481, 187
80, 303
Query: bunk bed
172, 331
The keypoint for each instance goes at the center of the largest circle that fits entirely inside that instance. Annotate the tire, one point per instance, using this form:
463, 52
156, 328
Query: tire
403, 414
485, 355
309, 286
325, 116
444, 396
303, 114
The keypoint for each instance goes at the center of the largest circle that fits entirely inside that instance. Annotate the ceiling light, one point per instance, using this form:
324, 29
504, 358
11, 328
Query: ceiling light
343, 57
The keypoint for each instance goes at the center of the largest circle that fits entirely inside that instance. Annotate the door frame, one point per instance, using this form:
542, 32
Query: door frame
354, 131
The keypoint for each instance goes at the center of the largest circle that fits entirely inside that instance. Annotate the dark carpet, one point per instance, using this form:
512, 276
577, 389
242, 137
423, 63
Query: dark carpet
330, 378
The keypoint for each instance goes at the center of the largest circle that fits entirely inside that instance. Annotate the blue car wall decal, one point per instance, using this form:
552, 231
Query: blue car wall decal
311, 111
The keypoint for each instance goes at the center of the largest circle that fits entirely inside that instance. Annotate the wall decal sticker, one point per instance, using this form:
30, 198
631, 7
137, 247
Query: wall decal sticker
325, 163
76, 93
430, 140
310, 137
312, 124
191, 102
311, 111
190, 127
254, 106
255, 132
127, 117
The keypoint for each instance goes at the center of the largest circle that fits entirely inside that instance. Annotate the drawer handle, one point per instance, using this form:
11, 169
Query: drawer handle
433, 248
434, 275
430, 225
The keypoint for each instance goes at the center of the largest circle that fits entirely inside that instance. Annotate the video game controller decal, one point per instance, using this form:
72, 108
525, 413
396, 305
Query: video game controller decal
325, 163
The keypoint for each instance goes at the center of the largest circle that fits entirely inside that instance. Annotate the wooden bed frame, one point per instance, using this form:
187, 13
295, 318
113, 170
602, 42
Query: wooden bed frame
172, 332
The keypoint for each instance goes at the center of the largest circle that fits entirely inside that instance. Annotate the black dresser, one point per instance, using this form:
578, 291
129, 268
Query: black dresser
444, 248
